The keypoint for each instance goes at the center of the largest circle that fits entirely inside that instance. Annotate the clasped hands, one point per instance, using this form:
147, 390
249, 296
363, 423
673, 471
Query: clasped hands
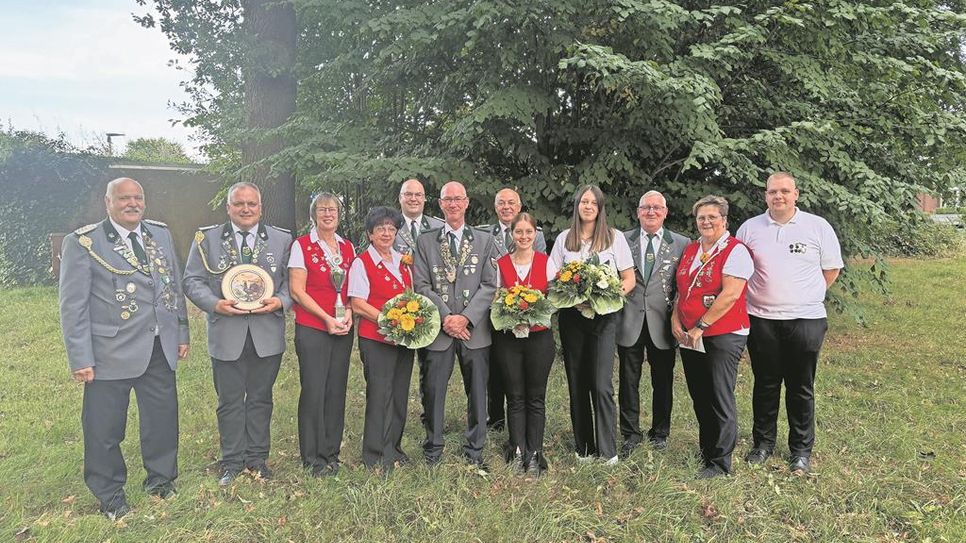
227, 307
457, 326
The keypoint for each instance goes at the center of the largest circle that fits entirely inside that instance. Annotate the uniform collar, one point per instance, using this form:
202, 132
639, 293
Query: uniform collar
115, 231
659, 234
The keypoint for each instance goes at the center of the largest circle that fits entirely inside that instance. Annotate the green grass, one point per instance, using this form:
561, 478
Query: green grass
889, 465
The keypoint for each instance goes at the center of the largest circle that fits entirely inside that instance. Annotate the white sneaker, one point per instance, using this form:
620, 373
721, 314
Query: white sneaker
584, 459
611, 461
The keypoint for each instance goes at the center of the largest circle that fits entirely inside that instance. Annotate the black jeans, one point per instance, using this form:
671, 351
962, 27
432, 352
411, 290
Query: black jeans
588, 349
711, 380
785, 351
525, 365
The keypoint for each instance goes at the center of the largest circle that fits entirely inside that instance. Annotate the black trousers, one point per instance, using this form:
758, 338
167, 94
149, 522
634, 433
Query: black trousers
711, 378
323, 375
588, 349
104, 420
785, 351
244, 389
524, 364
629, 390
475, 368
496, 393
388, 370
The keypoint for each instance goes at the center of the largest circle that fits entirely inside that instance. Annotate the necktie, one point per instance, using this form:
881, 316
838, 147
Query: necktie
649, 257
138, 250
452, 244
507, 240
246, 250
412, 229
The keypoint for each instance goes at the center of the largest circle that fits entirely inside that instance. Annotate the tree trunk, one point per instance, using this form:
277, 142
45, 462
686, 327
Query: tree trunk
270, 88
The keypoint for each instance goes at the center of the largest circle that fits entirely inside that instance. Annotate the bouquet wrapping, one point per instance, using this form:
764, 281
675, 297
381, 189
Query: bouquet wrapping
409, 319
592, 287
519, 307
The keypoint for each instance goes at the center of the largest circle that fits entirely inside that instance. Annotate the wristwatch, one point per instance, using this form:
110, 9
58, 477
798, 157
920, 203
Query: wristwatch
701, 325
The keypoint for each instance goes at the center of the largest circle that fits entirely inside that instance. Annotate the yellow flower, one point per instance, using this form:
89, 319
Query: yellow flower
530, 298
412, 306
407, 322
565, 276
393, 314
509, 300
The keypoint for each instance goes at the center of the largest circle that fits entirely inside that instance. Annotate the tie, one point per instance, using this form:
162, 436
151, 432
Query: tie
649, 257
507, 240
412, 229
246, 250
452, 244
138, 250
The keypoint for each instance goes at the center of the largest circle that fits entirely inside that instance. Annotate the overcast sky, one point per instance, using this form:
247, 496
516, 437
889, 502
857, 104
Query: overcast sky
85, 68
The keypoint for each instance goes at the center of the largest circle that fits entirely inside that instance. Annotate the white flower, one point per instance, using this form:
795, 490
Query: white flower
602, 282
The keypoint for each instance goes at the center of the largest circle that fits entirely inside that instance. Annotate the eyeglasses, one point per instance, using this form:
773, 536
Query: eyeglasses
452, 199
385, 228
416, 195
707, 218
327, 209
656, 209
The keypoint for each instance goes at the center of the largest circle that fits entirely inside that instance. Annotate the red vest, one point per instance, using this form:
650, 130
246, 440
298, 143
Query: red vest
318, 280
695, 291
382, 287
536, 279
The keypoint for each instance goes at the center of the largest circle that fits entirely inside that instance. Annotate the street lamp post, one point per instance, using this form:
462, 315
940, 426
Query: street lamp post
110, 147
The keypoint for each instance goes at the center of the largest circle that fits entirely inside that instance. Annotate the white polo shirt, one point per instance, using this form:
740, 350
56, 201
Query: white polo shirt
618, 256
789, 260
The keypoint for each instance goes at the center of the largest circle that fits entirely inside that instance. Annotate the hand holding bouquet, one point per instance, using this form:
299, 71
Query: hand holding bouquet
410, 320
518, 308
591, 286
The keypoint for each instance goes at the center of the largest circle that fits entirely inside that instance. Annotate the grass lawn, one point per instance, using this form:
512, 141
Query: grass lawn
889, 464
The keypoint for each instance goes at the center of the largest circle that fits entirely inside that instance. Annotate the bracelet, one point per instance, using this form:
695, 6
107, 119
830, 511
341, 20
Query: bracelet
701, 325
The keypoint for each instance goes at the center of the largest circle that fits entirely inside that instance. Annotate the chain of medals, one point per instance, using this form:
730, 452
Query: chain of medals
451, 262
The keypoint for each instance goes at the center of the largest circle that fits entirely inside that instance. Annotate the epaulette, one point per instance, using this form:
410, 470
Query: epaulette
483, 227
206, 228
279, 228
85, 229
155, 223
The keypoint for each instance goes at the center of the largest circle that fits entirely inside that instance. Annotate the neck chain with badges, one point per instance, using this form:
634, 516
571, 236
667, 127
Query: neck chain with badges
450, 260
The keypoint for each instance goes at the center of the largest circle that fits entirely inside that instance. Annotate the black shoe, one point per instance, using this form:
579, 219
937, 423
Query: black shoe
516, 463
799, 464
628, 448
658, 443
228, 476
433, 461
328, 470
116, 511
710, 472
260, 471
757, 455
163, 491
536, 464
479, 465
496, 425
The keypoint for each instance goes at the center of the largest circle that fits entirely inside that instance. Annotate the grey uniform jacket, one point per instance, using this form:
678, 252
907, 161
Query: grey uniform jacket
652, 297
470, 294
111, 307
404, 242
539, 243
202, 285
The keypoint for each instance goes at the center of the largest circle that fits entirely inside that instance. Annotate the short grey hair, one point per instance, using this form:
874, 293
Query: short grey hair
318, 198
244, 185
109, 190
651, 193
711, 200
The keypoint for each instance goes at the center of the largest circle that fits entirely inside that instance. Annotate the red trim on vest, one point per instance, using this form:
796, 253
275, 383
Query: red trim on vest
692, 291
537, 278
318, 282
382, 287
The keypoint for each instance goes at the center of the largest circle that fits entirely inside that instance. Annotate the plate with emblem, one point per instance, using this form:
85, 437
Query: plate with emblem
247, 285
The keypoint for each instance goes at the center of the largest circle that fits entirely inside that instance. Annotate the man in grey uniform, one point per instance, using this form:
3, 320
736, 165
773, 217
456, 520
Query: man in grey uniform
645, 324
507, 205
455, 268
412, 201
125, 327
245, 346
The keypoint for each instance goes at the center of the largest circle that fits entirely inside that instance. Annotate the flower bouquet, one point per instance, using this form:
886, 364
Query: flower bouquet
410, 320
594, 288
518, 308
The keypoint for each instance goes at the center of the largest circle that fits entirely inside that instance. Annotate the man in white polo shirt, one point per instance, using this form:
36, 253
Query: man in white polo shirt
797, 257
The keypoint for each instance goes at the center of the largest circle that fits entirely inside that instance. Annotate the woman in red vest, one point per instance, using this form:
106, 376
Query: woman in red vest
377, 275
711, 324
317, 281
525, 362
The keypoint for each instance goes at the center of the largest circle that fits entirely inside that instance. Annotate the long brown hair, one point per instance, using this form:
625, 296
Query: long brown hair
603, 236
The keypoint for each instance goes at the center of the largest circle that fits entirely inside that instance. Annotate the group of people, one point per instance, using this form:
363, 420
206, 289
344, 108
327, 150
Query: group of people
124, 320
